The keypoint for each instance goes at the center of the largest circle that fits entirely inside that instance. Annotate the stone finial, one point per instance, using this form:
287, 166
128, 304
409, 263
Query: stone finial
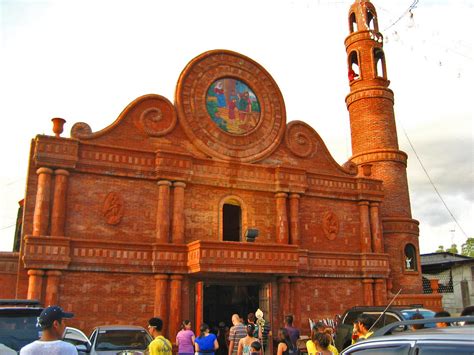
58, 124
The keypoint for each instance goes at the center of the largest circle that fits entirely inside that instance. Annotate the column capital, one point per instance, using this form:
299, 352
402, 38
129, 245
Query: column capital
53, 273
161, 277
363, 203
379, 281
296, 280
176, 277
294, 195
61, 172
35, 272
179, 184
44, 171
164, 182
367, 281
374, 204
281, 195
284, 280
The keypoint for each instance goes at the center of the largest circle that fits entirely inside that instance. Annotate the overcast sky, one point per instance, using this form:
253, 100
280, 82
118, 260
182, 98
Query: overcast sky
86, 60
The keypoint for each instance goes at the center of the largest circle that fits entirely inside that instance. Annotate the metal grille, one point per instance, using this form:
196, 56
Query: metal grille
445, 282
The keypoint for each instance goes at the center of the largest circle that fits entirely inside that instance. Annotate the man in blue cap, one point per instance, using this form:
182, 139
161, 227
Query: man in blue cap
50, 343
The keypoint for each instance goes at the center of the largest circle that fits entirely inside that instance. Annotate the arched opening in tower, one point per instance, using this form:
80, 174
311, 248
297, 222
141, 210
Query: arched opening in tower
379, 63
354, 71
352, 23
371, 21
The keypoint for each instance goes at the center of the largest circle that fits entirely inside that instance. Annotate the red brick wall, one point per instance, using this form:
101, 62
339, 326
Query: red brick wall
85, 200
315, 293
106, 298
8, 274
312, 235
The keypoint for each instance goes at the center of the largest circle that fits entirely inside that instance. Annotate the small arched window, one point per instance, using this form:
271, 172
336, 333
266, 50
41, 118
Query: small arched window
371, 21
379, 63
352, 23
354, 70
410, 261
231, 221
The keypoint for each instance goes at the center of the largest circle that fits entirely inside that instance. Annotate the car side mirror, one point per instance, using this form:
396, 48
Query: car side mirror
83, 348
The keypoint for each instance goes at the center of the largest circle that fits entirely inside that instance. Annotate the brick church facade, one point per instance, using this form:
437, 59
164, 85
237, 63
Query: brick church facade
215, 204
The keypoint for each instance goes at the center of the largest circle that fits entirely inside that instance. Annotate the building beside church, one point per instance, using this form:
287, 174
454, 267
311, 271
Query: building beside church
216, 204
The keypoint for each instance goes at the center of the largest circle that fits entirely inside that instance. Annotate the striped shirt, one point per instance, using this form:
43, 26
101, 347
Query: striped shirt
236, 333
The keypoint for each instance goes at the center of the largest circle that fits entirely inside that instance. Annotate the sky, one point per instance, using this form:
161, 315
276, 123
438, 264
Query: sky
86, 60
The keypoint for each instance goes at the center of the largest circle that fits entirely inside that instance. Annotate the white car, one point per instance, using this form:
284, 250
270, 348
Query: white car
110, 339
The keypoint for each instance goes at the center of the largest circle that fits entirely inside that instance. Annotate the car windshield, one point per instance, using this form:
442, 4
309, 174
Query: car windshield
425, 313
18, 329
122, 339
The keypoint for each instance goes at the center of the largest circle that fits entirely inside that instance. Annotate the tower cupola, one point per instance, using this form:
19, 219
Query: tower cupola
364, 47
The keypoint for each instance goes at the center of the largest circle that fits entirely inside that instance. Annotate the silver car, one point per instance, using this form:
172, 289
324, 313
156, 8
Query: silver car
110, 339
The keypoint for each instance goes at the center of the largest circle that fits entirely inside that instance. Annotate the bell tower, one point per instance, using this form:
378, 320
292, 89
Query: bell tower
375, 144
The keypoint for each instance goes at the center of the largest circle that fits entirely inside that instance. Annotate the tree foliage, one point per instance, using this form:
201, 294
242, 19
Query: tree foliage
467, 248
453, 249
440, 249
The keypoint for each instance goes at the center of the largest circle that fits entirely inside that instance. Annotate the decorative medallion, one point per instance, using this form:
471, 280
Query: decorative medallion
301, 139
81, 130
230, 107
233, 106
330, 225
112, 209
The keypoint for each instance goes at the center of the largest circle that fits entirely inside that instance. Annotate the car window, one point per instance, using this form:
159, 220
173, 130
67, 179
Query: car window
398, 349
350, 317
18, 329
439, 349
122, 339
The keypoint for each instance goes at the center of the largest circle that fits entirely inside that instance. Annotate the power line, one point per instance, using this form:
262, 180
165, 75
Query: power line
432, 183
411, 7
6, 227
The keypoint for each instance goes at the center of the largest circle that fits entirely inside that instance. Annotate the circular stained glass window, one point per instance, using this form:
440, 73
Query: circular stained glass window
233, 106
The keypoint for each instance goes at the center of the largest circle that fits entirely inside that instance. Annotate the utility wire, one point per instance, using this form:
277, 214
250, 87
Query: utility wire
6, 227
432, 183
411, 7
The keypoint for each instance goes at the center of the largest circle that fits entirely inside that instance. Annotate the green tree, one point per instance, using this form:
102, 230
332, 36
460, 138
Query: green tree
468, 248
440, 249
453, 249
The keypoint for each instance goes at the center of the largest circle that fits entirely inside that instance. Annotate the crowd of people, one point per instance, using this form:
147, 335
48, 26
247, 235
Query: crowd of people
241, 339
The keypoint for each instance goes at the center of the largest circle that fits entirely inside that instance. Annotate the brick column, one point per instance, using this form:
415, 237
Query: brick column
35, 284
296, 300
368, 293
42, 205
281, 218
177, 234
284, 296
294, 219
52, 287
175, 316
375, 228
380, 292
365, 240
58, 215
163, 212
161, 298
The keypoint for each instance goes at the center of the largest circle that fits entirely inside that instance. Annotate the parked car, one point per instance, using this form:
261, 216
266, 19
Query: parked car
458, 340
392, 314
18, 326
110, 339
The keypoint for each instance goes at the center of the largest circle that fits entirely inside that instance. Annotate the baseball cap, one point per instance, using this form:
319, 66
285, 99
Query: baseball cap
50, 314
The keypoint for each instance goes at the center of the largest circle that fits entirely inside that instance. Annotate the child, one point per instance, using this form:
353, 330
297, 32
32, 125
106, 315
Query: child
255, 348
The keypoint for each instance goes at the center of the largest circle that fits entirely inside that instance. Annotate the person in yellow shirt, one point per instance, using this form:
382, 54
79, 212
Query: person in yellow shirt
362, 327
160, 345
319, 327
